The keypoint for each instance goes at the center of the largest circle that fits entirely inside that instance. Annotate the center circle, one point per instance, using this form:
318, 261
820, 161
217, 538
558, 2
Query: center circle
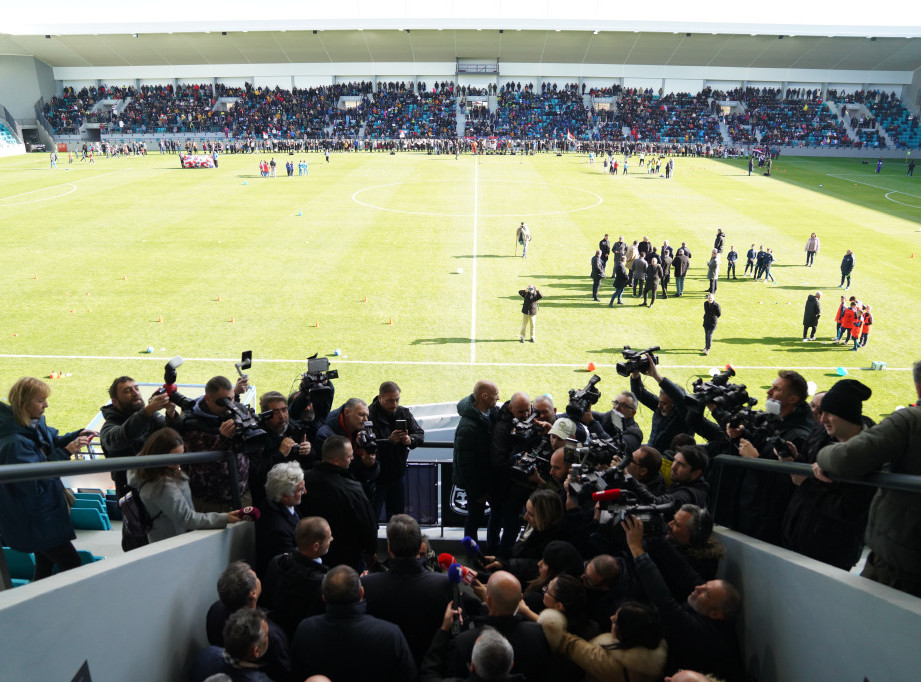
550, 197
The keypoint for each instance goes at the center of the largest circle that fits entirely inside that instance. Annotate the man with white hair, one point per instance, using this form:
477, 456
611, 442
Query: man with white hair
284, 487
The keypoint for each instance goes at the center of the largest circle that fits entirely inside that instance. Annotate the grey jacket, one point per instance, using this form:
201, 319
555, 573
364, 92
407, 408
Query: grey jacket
894, 526
173, 498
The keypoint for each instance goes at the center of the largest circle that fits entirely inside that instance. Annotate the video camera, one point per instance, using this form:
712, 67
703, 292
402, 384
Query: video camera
582, 400
537, 460
585, 477
726, 399
762, 428
636, 360
248, 434
365, 439
525, 429
317, 375
618, 504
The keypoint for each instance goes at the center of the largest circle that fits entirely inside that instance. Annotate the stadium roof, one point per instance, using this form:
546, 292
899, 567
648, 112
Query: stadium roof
667, 32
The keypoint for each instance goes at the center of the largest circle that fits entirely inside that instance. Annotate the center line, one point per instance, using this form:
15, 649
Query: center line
473, 274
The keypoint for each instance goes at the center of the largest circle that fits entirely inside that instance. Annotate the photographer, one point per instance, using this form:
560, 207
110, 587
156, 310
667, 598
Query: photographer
517, 430
688, 483
529, 306
620, 419
129, 422
691, 533
209, 425
397, 433
667, 417
646, 467
349, 420
285, 440
761, 498
311, 404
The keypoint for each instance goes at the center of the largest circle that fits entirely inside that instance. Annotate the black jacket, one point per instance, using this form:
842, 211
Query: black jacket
847, 264
712, 312
533, 657
346, 643
433, 664
335, 495
412, 598
621, 277
681, 263
664, 427
291, 589
472, 443
123, 434
695, 642
274, 533
631, 431
530, 305
276, 662
392, 458
812, 312
597, 268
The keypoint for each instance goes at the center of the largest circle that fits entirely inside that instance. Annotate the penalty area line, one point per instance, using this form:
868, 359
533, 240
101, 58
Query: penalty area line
443, 363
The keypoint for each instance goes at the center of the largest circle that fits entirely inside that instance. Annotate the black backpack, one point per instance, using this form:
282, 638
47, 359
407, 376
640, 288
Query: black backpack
136, 522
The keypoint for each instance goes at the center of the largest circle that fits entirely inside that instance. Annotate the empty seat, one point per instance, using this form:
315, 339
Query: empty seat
21, 564
89, 519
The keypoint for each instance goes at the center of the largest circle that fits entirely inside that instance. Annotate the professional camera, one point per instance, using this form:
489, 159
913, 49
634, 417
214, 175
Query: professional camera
318, 374
526, 430
762, 427
248, 434
582, 400
585, 477
618, 504
365, 439
636, 360
725, 399
537, 460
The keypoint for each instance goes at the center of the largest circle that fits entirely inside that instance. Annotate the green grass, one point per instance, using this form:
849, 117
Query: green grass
90, 273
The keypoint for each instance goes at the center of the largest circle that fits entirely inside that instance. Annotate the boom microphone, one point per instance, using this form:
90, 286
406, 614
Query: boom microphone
473, 550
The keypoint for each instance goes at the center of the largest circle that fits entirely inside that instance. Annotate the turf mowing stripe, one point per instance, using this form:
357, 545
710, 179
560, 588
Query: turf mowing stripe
476, 168
448, 363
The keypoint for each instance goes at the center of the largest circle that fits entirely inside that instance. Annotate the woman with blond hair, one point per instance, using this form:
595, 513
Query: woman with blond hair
34, 515
166, 495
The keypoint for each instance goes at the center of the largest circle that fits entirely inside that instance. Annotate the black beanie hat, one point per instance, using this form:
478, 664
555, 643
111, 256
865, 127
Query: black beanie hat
845, 400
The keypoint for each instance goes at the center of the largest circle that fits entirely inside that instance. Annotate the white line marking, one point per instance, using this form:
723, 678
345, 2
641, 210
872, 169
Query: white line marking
599, 201
476, 190
445, 363
57, 196
889, 190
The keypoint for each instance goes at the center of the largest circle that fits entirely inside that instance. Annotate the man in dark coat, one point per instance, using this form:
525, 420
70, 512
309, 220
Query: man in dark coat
621, 278
472, 443
701, 631
689, 486
408, 595
529, 306
666, 271
533, 657
653, 277
681, 264
278, 519
811, 315
292, 580
334, 494
667, 419
393, 446
718, 242
847, 266
128, 423
349, 420
605, 247
597, 273
346, 643
638, 270
712, 312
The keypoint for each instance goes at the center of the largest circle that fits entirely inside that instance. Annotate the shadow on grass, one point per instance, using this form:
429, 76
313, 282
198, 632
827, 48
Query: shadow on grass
485, 255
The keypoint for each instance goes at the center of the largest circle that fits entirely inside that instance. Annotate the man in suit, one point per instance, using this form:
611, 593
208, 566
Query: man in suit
597, 273
278, 519
639, 275
408, 595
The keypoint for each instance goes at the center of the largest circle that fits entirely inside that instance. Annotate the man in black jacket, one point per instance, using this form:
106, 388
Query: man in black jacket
334, 494
605, 247
407, 595
597, 273
128, 423
750, 260
700, 632
688, 483
529, 307
472, 445
292, 580
533, 657
285, 441
667, 419
397, 433
349, 420
346, 643
620, 420
847, 266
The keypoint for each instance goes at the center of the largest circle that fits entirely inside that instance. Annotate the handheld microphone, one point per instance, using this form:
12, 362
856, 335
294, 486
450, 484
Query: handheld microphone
249, 513
445, 560
473, 550
454, 577
612, 495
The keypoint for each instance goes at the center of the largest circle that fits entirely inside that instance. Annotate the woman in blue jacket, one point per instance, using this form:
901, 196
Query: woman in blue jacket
34, 516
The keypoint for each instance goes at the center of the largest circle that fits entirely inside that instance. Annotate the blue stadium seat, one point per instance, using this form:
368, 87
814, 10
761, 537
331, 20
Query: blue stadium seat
89, 519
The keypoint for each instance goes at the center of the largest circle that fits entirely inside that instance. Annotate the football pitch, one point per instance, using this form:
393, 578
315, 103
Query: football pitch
407, 266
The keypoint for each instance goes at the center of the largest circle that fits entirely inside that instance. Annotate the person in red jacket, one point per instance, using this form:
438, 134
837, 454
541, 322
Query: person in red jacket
845, 319
867, 323
841, 308
856, 324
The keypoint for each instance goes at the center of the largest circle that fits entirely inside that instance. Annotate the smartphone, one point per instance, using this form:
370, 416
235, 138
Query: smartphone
401, 425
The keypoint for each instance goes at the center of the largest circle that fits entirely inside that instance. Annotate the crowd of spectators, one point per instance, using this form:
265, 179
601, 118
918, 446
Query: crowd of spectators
524, 111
